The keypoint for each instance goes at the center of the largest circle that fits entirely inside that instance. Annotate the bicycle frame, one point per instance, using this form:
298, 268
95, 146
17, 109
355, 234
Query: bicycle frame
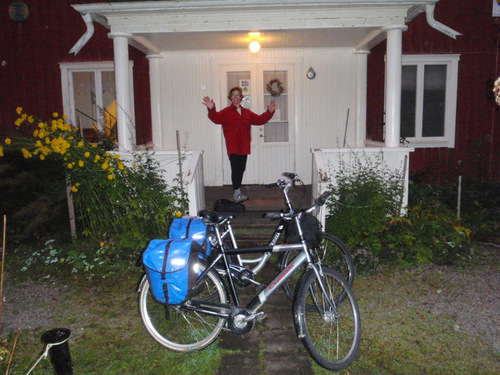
223, 310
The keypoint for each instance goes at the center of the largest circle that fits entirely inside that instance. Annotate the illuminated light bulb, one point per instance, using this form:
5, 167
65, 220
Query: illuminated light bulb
254, 46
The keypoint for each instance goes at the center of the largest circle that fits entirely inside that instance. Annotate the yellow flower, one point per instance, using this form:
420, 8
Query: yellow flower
120, 166
18, 122
96, 158
1, 151
105, 166
42, 157
111, 176
74, 189
94, 145
70, 165
178, 214
31, 119
101, 243
35, 133
87, 154
26, 153
80, 163
55, 114
111, 170
116, 156
65, 117
19, 110
7, 141
80, 144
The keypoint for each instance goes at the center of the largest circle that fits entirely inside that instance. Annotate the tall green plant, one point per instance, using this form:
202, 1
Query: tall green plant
366, 193
120, 205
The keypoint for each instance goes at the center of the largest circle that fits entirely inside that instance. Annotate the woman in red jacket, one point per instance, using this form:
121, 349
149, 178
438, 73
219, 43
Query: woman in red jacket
236, 124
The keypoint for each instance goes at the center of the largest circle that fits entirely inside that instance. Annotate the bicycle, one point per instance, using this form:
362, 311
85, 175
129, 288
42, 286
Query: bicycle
329, 249
326, 314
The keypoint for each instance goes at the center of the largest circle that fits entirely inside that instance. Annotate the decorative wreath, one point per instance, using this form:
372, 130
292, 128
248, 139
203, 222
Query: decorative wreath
275, 87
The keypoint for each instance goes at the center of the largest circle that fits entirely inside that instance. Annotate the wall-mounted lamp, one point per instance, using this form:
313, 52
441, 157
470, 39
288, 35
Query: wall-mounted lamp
254, 44
310, 73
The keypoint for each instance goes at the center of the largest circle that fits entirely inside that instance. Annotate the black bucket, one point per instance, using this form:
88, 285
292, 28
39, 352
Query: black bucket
60, 356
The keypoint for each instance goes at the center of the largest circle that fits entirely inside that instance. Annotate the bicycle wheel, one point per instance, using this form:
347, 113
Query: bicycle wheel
330, 337
331, 252
182, 330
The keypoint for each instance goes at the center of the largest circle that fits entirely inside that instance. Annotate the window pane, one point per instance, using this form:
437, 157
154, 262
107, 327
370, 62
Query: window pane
241, 79
109, 104
84, 97
434, 101
408, 100
276, 130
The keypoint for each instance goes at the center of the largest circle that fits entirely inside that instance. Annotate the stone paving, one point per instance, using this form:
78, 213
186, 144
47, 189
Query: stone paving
272, 347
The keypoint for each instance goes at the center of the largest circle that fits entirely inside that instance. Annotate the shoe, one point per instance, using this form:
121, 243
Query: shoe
239, 197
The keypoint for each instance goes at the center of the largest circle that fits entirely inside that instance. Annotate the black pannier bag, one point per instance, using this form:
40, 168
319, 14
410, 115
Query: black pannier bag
171, 267
225, 205
311, 229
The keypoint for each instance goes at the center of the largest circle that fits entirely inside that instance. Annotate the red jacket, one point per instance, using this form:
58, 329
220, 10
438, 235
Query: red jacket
236, 127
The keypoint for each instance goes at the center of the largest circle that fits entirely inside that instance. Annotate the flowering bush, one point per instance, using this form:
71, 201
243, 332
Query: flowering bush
119, 205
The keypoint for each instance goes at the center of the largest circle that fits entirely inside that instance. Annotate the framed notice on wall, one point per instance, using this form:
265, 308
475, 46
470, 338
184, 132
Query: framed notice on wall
496, 8
245, 85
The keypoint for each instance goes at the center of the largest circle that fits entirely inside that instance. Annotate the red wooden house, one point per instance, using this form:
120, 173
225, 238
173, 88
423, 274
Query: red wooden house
449, 119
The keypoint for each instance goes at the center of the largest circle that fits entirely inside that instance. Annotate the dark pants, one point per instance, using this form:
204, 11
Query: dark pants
238, 166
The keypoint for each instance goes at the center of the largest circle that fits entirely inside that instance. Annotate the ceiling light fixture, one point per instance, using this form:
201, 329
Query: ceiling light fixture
254, 45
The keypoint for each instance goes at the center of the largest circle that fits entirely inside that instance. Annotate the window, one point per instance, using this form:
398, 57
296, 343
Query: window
89, 97
428, 100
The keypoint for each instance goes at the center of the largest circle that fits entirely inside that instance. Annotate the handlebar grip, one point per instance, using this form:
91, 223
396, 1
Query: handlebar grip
321, 200
274, 184
289, 175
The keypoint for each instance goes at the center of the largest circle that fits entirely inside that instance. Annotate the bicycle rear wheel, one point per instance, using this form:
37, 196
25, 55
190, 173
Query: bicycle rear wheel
331, 251
182, 330
331, 337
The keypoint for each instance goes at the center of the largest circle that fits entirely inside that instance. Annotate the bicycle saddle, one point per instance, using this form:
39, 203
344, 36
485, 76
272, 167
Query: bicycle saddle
213, 217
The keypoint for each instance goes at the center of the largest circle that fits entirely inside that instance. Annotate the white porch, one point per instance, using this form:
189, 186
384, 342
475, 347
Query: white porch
190, 43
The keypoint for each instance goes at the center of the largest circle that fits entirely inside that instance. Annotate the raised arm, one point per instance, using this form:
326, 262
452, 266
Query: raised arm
209, 103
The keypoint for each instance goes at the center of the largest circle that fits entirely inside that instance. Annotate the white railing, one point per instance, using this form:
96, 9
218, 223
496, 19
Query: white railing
324, 162
192, 173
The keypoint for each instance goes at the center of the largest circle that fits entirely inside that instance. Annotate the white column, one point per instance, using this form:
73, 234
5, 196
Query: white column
361, 82
125, 122
156, 102
393, 84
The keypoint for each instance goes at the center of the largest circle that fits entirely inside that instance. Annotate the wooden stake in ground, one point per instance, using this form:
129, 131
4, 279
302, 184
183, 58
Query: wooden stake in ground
1, 270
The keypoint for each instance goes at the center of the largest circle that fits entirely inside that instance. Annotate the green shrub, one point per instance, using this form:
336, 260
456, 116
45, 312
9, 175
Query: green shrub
366, 193
365, 215
119, 205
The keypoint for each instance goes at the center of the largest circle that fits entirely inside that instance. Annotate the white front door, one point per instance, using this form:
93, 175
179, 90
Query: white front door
272, 144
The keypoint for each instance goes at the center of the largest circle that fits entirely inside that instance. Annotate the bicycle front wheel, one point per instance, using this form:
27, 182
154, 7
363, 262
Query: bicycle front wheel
331, 335
331, 252
182, 330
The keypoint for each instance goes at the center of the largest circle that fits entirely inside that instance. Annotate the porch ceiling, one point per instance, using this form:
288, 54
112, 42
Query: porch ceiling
158, 26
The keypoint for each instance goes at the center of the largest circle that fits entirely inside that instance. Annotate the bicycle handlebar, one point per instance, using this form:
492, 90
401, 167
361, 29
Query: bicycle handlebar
321, 200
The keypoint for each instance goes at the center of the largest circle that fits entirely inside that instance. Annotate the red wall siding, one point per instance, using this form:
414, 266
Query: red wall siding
32, 51
477, 150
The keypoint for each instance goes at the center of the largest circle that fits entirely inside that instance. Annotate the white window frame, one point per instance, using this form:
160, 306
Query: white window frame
451, 62
97, 67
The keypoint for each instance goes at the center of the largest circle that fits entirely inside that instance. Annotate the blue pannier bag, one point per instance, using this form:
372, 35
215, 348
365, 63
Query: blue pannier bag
171, 269
191, 228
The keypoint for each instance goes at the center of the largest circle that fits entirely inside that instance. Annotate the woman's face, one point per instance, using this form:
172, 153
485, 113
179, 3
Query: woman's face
236, 97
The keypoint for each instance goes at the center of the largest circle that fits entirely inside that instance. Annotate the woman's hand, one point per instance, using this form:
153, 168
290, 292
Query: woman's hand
209, 103
272, 106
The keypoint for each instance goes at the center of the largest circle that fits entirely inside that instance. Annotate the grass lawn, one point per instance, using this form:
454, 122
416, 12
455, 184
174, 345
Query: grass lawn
426, 320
